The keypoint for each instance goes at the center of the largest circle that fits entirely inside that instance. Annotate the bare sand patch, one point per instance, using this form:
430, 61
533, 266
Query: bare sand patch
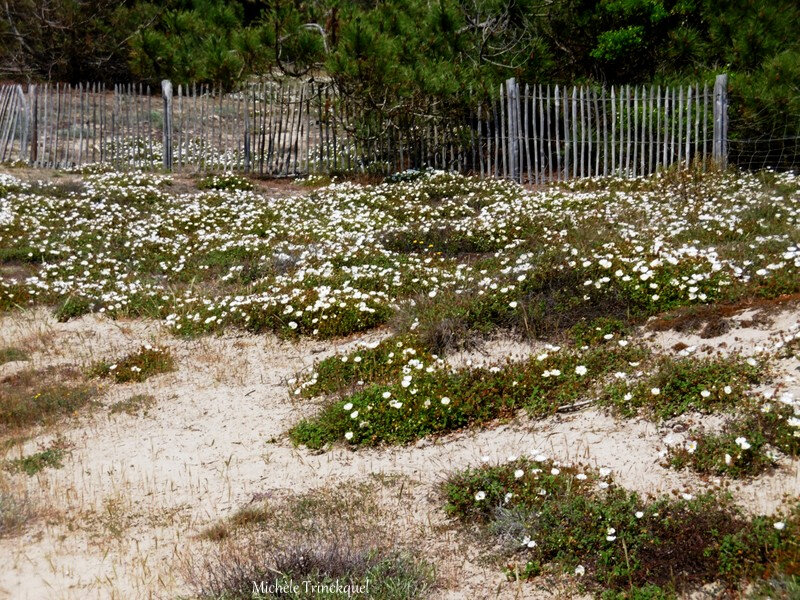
134, 491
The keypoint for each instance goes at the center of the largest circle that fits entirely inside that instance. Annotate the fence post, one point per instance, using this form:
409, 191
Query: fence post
513, 147
34, 154
166, 92
720, 146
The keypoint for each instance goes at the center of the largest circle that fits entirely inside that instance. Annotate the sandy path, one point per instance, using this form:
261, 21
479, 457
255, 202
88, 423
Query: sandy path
123, 510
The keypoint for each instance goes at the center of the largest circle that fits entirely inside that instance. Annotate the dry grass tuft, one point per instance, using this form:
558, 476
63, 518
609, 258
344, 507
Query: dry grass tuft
39, 396
16, 509
315, 539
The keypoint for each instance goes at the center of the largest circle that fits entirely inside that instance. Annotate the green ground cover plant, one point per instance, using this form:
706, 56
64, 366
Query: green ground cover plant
677, 385
34, 463
574, 520
748, 445
430, 398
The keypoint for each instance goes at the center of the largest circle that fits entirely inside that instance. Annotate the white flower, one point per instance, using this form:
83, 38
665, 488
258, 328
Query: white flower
513, 304
728, 459
605, 472
348, 435
354, 414
610, 534
518, 473
348, 406
742, 443
705, 393
445, 400
480, 496
554, 471
580, 570
686, 496
386, 395
655, 391
639, 514
528, 542
727, 389
779, 525
580, 370
691, 446
580, 476
292, 325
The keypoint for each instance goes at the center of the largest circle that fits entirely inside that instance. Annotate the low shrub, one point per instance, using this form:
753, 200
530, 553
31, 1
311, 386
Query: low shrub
137, 366
431, 398
676, 386
746, 446
34, 463
575, 519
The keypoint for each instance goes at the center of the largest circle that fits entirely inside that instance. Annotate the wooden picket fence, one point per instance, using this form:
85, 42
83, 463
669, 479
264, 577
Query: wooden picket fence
531, 133
540, 133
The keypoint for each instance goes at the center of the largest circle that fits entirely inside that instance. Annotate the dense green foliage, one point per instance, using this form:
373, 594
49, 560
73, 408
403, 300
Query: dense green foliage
401, 48
400, 58
547, 516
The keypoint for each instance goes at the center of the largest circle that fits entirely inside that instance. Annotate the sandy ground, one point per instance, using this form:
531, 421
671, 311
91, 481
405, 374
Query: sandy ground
124, 511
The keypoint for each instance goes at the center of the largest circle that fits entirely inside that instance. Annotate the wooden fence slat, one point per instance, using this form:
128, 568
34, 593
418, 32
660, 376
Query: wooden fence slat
696, 122
537, 134
7, 111
650, 139
556, 118
583, 133
643, 131
519, 141
549, 128
590, 128
574, 131
688, 125
503, 140
566, 133
629, 141
495, 128
616, 130
605, 132
674, 112
705, 124
682, 125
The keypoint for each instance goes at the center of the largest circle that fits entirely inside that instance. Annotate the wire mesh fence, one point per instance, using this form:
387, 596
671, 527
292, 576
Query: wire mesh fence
764, 132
